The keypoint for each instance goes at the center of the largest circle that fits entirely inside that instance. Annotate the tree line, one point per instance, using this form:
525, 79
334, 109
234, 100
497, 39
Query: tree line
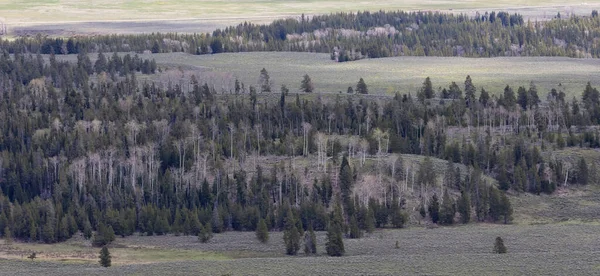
352, 36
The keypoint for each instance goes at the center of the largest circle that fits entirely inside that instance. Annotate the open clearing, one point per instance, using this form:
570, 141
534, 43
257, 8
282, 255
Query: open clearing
387, 75
553, 249
64, 17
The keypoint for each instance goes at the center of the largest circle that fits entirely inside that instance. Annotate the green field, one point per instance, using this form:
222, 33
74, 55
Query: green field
553, 249
384, 75
67, 17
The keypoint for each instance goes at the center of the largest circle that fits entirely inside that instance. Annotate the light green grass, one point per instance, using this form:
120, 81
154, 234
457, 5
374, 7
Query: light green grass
387, 75
552, 249
51, 11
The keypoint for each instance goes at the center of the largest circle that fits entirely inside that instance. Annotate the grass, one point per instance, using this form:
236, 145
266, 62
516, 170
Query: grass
385, 75
206, 15
552, 249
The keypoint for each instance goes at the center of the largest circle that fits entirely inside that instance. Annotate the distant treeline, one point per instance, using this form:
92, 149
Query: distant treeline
351, 36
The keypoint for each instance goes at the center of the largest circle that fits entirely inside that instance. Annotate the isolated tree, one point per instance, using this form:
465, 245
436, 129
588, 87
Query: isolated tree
205, 233
32, 256
262, 232
105, 258
434, 209
310, 241
291, 236
499, 247
307, 84
264, 81
350, 90
361, 87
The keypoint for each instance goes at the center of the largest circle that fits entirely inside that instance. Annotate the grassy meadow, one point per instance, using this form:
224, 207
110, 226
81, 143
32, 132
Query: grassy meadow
68, 17
551, 249
386, 75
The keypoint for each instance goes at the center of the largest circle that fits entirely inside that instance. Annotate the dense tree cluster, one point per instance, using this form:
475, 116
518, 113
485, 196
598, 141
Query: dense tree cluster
87, 150
351, 36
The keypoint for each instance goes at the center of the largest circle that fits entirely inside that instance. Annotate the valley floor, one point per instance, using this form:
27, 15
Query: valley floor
545, 249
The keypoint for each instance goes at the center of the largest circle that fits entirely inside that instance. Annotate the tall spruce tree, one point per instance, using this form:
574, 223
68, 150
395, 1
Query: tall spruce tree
105, 258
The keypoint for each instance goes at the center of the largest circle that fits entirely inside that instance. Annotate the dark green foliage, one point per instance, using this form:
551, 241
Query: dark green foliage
361, 87
262, 232
105, 258
291, 236
307, 84
310, 241
464, 207
355, 231
447, 210
205, 233
104, 235
335, 242
499, 247
434, 209
582, 172
370, 221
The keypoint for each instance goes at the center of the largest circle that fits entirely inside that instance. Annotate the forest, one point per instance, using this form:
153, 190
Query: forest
352, 36
86, 146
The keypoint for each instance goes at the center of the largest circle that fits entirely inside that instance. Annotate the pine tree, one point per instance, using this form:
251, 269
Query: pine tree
464, 207
105, 258
262, 232
291, 236
370, 221
335, 243
310, 241
434, 209
499, 247
7, 236
355, 232
264, 81
104, 235
361, 87
447, 211
307, 84
205, 233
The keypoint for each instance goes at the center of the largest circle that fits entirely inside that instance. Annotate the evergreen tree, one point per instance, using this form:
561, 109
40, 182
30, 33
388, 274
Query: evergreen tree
447, 210
355, 231
370, 221
335, 242
469, 92
291, 236
104, 235
307, 84
105, 258
205, 233
464, 207
262, 232
264, 81
310, 241
7, 236
499, 247
361, 87
434, 209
